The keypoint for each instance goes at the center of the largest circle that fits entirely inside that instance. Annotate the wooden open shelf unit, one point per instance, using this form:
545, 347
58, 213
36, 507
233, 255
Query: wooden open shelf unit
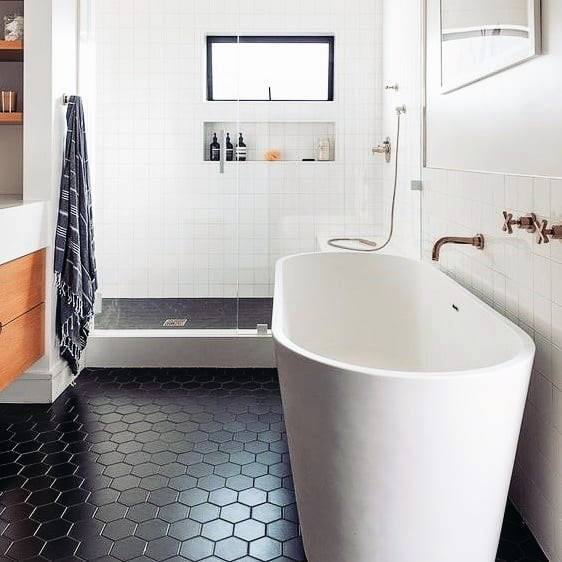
11, 118
11, 51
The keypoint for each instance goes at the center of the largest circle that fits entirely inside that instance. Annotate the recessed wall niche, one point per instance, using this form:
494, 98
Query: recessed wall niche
295, 141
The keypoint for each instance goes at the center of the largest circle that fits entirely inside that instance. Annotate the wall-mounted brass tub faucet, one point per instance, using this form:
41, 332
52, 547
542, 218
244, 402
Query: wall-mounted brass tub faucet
532, 224
476, 241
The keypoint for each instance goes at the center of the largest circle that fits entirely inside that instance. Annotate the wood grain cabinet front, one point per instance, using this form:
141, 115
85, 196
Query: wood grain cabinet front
22, 315
22, 343
22, 286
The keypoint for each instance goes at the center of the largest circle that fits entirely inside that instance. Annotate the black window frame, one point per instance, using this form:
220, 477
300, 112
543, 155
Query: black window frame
322, 39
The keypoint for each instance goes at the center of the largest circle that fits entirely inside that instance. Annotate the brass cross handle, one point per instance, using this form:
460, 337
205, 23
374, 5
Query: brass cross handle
542, 229
527, 222
508, 222
545, 233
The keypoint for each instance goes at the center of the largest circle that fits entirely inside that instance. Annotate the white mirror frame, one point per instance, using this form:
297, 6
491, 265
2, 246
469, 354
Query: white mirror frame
535, 50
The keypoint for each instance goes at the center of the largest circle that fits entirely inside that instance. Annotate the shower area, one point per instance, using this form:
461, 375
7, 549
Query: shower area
188, 233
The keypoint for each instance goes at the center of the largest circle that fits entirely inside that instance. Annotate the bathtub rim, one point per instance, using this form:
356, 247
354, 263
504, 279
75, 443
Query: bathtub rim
525, 353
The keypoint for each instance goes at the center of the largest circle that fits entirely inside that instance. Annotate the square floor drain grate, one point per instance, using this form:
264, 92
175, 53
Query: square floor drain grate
175, 323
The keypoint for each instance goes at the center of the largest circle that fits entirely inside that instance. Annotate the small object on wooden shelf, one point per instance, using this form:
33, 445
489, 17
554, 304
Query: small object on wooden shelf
8, 101
11, 118
13, 27
273, 155
11, 51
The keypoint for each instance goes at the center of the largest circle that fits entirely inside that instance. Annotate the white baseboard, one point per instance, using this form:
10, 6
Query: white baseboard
38, 386
61, 381
147, 348
175, 348
27, 391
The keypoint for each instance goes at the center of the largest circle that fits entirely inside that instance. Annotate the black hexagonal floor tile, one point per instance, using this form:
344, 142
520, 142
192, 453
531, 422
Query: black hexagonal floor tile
173, 512
197, 548
232, 548
266, 548
217, 529
185, 529
204, 512
162, 548
236, 512
152, 529
250, 530
53, 529
60, 548
119, 529
128, 548
160, 464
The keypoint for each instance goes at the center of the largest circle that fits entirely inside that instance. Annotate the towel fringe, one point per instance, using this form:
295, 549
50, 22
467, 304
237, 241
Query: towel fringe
71, 298
67, 342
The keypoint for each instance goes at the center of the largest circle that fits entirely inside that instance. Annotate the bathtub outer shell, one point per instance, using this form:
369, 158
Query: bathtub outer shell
394, 466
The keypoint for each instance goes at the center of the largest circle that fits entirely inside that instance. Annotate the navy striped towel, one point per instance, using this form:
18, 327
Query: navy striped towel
75, 264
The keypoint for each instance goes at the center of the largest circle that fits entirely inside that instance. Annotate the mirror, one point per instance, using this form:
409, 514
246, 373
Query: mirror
482, 37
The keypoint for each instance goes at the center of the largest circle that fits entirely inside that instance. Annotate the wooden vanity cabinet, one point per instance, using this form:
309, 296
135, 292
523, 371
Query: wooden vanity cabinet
22, 315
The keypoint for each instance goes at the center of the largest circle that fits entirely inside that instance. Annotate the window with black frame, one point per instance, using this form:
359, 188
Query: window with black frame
270, 68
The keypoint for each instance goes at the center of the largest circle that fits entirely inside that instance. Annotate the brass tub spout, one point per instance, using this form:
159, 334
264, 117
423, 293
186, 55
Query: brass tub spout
476, 241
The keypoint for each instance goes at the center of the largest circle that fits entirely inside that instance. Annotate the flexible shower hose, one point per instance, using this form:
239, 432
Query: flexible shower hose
340, 242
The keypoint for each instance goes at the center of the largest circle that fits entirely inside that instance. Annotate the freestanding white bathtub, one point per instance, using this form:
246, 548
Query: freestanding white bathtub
403, 396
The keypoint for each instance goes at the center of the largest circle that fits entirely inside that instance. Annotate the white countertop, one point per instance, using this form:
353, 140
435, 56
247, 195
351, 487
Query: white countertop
11, 201
23, 227
7, 201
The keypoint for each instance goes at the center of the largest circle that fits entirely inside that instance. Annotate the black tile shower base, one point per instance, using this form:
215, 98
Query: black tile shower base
160, 465
201, 313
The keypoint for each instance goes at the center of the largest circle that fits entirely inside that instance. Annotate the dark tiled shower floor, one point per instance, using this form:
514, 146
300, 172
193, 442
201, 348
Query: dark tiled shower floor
154, 465
201, 314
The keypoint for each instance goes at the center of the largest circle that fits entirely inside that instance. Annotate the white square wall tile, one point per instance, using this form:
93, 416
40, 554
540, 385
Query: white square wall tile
556, 373
557, 408
541, 197
556, 200
543, 316
519, 193
556, 282
542, 273
557, 324
150, 157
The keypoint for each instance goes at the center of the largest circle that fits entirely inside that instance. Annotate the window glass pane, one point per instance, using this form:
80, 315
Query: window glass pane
285, 70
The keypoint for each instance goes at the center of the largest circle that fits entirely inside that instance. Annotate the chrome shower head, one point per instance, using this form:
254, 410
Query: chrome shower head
400, 109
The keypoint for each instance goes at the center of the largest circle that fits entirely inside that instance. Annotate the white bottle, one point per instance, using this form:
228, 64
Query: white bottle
323, 150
